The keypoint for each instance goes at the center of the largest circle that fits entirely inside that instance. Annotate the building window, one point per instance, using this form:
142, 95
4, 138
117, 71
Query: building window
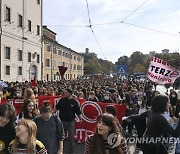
7, 52
47, 63
20, 21
8, 14
29, 57
38, 58
54, 76
7, 70
29, 25
47, 77
19, 70
59, 52
38, 30
74, 67
20, 55
38, 1
48, 48
74, 57
55, 51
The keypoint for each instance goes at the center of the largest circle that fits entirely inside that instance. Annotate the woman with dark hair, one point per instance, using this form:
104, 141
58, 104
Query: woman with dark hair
157, 125
101, 142
50, 130
7, 126
173, 96
28, 111
112, 110
129, 111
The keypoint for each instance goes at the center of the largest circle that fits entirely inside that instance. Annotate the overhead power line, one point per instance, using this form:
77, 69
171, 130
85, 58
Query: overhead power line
150, 29
98, 43
135, 10
48, 25
87, 5
90, 26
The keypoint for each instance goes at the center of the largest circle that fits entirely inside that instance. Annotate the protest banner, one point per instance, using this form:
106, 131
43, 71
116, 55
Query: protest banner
161, 72
90, 110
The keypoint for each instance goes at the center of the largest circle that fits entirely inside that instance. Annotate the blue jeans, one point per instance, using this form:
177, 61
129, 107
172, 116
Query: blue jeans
69, 127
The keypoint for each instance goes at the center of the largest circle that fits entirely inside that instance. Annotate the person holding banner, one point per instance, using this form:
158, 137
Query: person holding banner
157, 126
107, 137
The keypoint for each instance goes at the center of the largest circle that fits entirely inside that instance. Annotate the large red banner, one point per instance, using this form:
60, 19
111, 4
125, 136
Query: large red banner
90, 111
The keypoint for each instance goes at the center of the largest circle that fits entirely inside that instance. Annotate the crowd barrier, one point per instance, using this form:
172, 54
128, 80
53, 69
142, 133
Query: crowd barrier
90, 110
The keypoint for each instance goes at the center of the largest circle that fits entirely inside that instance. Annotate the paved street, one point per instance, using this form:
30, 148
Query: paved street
80, 149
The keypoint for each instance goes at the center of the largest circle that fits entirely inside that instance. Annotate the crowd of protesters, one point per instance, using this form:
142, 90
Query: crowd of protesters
136, 95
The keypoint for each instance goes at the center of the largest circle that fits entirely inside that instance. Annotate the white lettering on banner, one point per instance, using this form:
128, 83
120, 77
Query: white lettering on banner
56, 100
82, 132
11, 101
17, 101
161, 72
89, 103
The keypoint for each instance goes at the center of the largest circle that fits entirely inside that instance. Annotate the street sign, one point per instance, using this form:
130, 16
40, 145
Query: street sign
121, 69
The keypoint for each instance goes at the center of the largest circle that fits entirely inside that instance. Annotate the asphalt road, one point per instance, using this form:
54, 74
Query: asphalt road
79, 149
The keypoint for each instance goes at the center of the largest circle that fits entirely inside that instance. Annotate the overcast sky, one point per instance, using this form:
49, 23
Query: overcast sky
116, 39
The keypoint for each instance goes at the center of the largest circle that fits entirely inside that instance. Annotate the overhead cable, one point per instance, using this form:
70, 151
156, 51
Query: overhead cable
90, 26
135, 10
150, 29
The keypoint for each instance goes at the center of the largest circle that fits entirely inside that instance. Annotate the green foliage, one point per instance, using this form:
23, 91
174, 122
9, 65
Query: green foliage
137, 62
139, 68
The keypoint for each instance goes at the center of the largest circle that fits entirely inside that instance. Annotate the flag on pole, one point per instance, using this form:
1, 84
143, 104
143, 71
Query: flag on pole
161, 72
34, 82
62, 70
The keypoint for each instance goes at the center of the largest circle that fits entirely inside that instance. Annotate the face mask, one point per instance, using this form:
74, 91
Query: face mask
173, 95
140, 93
18, 95
139, 102
81, 98
106, 97
91, 96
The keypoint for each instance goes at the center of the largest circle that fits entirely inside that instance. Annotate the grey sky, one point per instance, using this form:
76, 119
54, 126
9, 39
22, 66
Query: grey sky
115, 39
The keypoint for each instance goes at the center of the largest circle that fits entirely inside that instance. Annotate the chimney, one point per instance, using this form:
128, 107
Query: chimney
87, 50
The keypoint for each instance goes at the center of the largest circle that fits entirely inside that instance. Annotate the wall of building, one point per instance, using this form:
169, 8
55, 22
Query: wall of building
20, 38
60, 55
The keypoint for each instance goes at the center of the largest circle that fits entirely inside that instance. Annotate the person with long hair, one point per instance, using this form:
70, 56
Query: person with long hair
28, 111
25, 140
7, 126
101, 142
157, 125
50, 130
29, 94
